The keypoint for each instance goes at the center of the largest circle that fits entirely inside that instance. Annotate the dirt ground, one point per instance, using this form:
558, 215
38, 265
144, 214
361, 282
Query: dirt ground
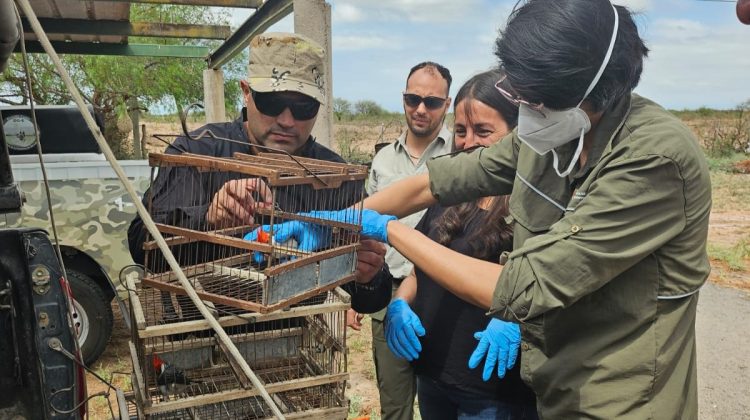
723, 333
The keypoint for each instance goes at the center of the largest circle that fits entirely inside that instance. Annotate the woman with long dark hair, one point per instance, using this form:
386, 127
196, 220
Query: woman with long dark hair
447, 388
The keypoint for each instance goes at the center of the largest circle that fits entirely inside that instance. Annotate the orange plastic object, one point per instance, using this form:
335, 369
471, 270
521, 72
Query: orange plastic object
263, 236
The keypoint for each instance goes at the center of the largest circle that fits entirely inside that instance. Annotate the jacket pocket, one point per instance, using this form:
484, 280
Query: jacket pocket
532, 208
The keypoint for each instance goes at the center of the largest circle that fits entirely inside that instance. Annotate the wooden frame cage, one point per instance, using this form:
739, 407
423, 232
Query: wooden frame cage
298, 353
224, 264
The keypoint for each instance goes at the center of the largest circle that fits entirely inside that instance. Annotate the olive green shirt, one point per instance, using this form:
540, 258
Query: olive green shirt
606, 265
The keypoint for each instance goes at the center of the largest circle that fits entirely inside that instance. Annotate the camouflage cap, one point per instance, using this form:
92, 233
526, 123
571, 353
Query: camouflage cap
284, 61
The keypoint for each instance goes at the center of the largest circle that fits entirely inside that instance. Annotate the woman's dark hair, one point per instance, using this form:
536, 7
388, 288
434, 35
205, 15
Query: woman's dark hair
481, 87
494, 234
552, 49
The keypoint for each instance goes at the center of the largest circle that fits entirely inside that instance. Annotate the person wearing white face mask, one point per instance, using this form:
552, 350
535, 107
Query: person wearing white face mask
610, 198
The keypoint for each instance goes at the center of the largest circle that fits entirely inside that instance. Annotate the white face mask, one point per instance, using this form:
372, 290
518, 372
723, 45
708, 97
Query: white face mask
544, 130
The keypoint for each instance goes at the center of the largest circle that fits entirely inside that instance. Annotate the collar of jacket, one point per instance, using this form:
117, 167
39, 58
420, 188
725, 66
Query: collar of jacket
444, 136
536, 180
603, 135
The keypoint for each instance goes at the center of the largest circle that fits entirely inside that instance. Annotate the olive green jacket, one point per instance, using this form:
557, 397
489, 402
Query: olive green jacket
606, 264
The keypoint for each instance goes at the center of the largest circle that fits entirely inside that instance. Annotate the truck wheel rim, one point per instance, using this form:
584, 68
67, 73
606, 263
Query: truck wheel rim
81, 321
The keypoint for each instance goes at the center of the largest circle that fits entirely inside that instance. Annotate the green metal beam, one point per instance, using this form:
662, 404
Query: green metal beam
132, 50
271, 12
126, 28
248, 4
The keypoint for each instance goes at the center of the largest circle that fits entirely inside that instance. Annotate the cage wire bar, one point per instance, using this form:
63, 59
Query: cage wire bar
299, 354
230, 349
256, 273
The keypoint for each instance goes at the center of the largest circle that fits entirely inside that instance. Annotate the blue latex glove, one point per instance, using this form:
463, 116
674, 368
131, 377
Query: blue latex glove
499, 343
402, 330
373, 223
309, 237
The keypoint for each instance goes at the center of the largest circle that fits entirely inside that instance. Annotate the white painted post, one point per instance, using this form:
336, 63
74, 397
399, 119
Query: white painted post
312, 18
213, 95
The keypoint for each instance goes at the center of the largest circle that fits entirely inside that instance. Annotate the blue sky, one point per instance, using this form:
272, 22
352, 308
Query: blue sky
700, 55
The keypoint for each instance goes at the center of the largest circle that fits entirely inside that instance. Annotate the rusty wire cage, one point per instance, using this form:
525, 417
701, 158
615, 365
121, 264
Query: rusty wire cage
209, 240
180, 370
246, 408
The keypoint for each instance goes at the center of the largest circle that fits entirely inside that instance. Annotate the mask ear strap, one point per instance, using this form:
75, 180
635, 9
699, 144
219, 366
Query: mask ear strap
606, 56
573, 160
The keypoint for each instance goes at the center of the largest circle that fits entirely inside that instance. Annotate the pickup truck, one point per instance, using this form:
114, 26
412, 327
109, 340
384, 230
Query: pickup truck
91, 209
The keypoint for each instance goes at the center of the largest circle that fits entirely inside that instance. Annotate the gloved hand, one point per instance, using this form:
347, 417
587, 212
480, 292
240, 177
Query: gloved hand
373, 223
309, 237
402, 330
499, 342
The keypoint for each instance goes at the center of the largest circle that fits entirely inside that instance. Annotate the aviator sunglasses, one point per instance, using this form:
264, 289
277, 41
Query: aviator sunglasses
513, 98
273, 104
413, 100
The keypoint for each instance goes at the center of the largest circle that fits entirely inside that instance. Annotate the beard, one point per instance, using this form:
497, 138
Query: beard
424, 128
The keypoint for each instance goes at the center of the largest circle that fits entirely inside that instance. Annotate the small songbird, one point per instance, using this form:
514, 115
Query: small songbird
170, 379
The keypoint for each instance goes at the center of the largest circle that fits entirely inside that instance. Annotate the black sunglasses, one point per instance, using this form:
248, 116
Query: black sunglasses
413, 100
273, 104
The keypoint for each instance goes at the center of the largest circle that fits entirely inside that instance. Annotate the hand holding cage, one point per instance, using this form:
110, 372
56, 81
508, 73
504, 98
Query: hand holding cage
373, 223
312, 237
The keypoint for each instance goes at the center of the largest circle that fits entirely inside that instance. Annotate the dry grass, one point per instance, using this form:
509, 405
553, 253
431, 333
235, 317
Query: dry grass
361, 389
731, 192
114, 366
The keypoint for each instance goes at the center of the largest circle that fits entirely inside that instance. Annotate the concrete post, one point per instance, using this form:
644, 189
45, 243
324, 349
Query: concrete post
312, 18
213, 95
134, 111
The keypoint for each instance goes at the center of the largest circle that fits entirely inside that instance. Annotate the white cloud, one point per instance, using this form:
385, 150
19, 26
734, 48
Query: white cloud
634, 5
356, 43
402, 10
491, 22
680, 30
344, 12
691, 66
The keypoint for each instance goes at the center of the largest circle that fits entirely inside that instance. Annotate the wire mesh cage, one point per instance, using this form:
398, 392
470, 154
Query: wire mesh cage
181, 370
310, 403
212, 217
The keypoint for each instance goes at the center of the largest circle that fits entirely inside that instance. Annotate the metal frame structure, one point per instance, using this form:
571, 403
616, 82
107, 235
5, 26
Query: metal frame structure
103, 28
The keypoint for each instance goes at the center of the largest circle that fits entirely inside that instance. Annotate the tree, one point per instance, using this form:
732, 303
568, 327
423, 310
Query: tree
341, 108
107, 82
368, 108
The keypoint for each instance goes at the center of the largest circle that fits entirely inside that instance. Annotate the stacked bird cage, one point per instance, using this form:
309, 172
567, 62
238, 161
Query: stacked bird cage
275, 190
278, 302
180, 370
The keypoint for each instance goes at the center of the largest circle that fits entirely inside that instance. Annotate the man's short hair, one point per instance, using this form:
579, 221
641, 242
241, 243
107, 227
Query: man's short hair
552, 49
283, 62
444, 72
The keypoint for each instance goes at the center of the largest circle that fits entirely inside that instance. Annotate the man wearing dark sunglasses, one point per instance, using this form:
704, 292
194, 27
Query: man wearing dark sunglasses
426, 101
282, 96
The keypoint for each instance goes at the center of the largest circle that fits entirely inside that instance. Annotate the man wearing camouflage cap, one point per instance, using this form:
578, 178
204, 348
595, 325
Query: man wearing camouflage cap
282, 95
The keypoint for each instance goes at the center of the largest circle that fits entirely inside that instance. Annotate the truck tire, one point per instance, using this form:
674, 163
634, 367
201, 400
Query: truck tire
93, 319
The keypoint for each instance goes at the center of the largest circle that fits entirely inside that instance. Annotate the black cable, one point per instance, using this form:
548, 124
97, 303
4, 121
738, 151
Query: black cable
79, 405
56, 345
38, 144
